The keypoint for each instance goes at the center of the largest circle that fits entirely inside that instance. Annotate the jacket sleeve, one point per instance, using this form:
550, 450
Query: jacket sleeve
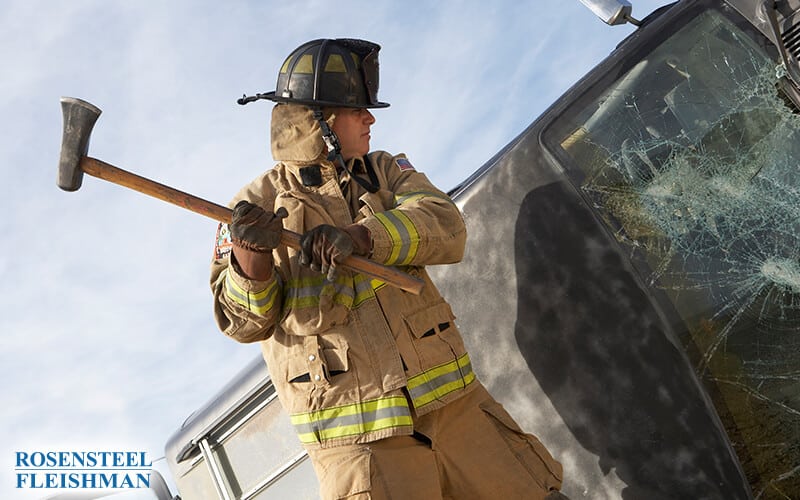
244, 309
423, 227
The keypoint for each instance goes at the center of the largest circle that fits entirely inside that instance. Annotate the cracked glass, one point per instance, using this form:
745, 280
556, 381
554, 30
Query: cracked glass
690, 158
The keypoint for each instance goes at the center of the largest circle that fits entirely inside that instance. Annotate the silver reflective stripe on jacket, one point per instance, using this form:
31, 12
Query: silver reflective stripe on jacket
440, 381
350, 420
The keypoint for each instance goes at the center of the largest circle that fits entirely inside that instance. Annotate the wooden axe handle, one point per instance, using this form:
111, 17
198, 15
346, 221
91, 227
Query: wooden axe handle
108, 172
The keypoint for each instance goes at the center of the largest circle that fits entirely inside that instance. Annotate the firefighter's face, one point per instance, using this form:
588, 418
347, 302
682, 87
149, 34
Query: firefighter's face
351, 126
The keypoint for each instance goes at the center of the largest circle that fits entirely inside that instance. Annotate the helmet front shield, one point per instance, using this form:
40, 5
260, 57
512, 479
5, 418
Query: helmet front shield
370, 72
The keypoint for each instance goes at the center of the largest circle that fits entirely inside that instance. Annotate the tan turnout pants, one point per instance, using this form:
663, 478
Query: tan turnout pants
470, 449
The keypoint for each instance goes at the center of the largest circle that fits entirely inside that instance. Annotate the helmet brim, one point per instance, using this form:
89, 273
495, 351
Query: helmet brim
272, 96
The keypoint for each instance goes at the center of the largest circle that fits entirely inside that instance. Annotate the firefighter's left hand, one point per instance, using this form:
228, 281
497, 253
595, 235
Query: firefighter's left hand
325, 246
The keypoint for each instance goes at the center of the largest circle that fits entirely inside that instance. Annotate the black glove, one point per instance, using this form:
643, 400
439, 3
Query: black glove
255, 229
325, 246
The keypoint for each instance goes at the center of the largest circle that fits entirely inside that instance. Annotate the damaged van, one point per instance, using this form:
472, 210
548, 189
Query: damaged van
640, 243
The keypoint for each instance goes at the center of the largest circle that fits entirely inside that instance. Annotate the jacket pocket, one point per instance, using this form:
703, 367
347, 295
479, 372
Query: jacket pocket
430, 321
433, 341
343, 471
530, 452
318, 362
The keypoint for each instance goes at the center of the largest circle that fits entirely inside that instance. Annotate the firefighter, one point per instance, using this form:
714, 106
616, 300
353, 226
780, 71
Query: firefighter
377, 382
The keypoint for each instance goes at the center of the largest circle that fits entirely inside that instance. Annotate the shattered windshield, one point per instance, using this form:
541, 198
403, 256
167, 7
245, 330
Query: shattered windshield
691, 159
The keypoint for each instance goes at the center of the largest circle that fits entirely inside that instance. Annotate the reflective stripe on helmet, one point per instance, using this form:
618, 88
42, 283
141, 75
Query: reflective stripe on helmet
440, 381
350, 420
403, 234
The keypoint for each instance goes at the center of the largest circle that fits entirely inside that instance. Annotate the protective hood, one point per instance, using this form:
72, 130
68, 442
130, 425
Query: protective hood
295, 134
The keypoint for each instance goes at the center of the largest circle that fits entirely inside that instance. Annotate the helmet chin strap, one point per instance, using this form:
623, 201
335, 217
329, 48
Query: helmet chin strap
335, 152
331, 141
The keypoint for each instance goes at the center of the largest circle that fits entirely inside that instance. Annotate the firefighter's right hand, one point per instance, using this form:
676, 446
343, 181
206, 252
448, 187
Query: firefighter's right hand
255, 232
255, 229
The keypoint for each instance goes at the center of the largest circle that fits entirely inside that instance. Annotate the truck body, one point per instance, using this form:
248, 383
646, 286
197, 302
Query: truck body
631, 286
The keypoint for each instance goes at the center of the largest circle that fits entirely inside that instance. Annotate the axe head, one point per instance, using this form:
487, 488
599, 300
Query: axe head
79, 119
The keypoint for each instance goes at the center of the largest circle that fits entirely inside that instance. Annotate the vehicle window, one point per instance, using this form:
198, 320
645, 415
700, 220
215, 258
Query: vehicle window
252, 453
263, 456
690, 157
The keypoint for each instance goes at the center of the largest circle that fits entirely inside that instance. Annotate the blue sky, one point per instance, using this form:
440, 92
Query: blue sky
108, 340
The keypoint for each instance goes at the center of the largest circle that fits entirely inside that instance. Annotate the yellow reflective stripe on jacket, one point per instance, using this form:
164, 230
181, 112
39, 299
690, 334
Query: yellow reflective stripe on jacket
418, 195
350, 420
259, 302
365, 289
305, 292
403, 234
440, 381
345, 290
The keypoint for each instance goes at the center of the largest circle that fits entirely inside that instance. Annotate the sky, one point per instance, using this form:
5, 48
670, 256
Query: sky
107, 340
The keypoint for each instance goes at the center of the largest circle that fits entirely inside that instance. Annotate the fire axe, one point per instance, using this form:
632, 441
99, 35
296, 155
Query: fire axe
79, 119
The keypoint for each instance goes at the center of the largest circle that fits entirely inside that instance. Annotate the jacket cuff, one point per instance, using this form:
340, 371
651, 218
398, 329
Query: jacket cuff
258, 297
395, 239
254, 286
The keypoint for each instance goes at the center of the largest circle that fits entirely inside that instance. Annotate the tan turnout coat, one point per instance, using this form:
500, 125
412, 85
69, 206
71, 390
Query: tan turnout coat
349, 358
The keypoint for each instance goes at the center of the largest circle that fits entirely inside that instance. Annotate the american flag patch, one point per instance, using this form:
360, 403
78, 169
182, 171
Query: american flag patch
405, 164
223, 243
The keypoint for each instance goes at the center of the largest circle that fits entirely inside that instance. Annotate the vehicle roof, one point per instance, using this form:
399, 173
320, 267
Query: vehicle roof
249, 381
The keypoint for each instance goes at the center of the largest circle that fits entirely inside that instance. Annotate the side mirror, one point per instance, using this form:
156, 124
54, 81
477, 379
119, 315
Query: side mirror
612, 12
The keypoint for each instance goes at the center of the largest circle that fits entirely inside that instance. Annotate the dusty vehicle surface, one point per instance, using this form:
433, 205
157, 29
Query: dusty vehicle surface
631, 286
